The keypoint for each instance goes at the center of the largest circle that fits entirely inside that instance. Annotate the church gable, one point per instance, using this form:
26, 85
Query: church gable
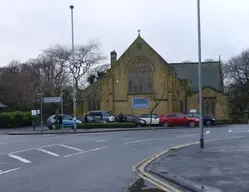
139, 48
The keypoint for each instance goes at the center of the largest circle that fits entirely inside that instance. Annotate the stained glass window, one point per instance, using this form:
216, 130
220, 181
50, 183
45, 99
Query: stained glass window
140, 77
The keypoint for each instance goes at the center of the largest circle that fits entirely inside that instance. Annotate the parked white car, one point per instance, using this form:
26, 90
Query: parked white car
154, 118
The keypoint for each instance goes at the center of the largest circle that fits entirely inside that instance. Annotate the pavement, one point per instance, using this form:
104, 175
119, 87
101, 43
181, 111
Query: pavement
90, 161
221, 166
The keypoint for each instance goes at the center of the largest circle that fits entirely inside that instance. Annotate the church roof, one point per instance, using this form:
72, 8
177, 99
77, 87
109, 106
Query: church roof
211, 74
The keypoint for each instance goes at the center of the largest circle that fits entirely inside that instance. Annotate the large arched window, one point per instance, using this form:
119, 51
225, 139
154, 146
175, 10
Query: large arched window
94, 103
140, 77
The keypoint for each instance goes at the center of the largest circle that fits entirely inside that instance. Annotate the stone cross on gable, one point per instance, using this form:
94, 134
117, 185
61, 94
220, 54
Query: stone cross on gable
138, 32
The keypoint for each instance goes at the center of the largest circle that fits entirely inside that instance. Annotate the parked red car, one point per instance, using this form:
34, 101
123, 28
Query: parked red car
178, 119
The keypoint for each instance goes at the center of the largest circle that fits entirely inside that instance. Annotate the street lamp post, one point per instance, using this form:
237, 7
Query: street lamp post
200, 79
74, 91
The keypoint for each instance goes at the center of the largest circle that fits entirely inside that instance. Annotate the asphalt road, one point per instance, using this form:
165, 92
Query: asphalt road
88, 162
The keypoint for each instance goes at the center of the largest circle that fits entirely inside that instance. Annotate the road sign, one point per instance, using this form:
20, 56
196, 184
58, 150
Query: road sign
140, 103
33, 112
38, 112
51, 99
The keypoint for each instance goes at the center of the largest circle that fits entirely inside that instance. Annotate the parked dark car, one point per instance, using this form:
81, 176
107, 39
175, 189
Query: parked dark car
134, 119
91, 119
206, 119
102, 115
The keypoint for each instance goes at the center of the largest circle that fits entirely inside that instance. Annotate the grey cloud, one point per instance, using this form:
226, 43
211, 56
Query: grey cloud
28, 26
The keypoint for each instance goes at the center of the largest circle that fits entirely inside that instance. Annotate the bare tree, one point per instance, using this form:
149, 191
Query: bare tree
187, 61
209, 60
236, 73
157, 100
97, 73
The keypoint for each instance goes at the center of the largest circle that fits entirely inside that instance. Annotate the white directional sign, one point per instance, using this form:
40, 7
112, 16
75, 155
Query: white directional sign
51, 99
33, 112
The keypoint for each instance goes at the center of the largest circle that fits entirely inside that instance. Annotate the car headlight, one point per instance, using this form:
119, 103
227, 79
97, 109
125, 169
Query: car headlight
213, 119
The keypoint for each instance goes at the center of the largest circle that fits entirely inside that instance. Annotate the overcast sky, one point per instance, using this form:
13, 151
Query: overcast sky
170, 26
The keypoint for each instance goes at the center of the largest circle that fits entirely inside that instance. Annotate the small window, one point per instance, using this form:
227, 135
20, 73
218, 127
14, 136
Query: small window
189, 114
171, 115
95, 114
155, 116
105, 114
197, 115
181, 106
66, 117
212, 107
207, 107
179, 115
98, 104
144, 116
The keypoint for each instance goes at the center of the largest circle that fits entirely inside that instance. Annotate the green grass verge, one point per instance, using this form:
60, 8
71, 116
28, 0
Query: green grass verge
105, 125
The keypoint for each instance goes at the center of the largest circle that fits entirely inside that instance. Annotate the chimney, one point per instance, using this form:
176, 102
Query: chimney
113, 57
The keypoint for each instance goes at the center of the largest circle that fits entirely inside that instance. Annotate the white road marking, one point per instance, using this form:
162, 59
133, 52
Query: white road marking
96, 149
30, 149
19, 158
208, 132
48, 152
100, 141
229, 131
240, 131
187, 135
129, 138
10, 170
69, 147
143, 140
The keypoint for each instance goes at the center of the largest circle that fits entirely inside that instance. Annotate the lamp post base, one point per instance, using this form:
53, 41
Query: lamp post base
202, 143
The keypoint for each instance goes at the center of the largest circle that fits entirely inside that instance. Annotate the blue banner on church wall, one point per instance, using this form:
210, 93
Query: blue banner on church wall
140, 103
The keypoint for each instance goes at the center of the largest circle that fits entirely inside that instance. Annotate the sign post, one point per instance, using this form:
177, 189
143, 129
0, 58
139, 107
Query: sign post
48, 100
33, 113
62, 127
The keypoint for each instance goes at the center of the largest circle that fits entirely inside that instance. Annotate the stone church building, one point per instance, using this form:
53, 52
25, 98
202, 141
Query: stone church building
140, 78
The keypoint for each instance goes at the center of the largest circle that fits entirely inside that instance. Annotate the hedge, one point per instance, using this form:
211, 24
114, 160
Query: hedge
105, 125
16, 119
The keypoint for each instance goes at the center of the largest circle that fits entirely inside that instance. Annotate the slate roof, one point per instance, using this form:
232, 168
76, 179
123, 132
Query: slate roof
211, 75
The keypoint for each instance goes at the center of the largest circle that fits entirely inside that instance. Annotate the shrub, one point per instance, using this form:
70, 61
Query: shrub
16, 119
105, 125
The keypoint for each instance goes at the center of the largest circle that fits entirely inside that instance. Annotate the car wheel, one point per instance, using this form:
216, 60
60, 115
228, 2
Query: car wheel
208, 122
166, 124
191, 123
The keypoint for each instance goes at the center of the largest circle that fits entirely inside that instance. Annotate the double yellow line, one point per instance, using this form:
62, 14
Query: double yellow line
139, 169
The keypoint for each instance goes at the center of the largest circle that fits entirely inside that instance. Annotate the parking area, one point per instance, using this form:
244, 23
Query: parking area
17, 159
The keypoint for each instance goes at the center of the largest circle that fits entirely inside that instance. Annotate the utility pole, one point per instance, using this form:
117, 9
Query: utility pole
62, 116
74, 91
200, 78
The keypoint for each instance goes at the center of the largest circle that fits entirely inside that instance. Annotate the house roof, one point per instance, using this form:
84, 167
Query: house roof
211, 75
